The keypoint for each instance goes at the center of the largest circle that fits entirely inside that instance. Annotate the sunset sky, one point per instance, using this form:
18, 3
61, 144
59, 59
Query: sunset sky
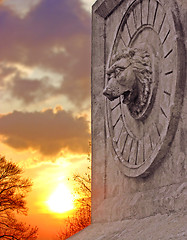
45, 98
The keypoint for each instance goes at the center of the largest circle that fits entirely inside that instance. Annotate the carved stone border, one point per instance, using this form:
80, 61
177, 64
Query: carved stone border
101, 10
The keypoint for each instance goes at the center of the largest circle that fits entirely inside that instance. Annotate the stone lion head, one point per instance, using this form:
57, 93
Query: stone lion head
130, 76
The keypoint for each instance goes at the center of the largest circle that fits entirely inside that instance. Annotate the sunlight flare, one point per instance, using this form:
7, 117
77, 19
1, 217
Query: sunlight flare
61, 200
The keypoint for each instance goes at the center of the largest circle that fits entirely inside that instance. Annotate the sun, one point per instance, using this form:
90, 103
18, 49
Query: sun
61, 200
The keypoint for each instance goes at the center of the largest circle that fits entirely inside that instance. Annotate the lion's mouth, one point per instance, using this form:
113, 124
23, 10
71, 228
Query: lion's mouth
126, 97
109, 96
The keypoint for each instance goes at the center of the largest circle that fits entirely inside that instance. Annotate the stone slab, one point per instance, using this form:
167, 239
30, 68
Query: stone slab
110, 188
159, 227
151, 206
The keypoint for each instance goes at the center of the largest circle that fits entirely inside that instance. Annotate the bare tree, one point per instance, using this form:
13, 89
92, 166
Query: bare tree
82, 215
13, 190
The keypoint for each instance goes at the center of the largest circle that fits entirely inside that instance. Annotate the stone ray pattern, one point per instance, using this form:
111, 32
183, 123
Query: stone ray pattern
154, 136
125, 35
166, 86
117, 130
131, 25
147, 146
152, 12
159, 18
133, 153
114, 103
164, 106
137, 15
165, 31
116, 114
127, 148
145, 11
140, 152
168, 46
145, 20
122, 140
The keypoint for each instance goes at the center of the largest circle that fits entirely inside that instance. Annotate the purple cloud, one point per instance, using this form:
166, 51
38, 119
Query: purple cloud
59, 24
47, 132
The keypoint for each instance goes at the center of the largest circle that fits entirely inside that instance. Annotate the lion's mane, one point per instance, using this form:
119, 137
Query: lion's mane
141, 66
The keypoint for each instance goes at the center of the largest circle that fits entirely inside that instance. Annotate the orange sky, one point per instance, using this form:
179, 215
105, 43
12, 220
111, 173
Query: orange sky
45, 97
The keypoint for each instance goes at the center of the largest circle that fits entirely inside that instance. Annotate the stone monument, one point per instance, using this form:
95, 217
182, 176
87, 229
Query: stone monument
139, 121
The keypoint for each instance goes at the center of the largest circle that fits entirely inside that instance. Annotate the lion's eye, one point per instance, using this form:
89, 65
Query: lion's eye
118, 71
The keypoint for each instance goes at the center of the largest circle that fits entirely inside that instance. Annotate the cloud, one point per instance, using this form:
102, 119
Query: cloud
29, 90
6, 71
48, 132
32, 90
21, 7
55, 36
87, 4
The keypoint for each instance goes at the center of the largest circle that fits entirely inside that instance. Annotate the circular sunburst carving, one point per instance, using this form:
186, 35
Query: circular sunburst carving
143, 87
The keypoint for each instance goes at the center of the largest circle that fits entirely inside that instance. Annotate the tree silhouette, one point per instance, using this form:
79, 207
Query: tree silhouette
81, 218
13, 190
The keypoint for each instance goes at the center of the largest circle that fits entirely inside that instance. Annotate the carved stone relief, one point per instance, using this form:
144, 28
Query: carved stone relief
143, 87
129, 76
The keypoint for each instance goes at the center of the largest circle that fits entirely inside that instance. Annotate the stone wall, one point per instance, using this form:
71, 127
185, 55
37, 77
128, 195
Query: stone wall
115, 196
134, 199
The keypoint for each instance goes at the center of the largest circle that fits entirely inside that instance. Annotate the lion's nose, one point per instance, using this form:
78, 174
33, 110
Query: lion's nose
107, 92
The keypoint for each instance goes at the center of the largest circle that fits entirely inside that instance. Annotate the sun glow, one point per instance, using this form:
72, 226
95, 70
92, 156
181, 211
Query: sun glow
61, 200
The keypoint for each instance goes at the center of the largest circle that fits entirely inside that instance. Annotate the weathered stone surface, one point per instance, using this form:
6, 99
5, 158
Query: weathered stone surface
159, 227
128, 204
119, 189
147, 73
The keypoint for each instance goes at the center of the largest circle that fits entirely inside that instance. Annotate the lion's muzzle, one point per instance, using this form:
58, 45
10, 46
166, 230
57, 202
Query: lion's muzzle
109, 94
